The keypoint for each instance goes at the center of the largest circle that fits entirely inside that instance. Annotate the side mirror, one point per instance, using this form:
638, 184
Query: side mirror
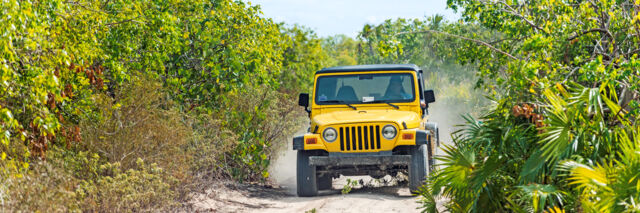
429, 97
303, 100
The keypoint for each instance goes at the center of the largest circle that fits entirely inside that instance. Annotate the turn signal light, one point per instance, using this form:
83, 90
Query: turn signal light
311, 141
407, 136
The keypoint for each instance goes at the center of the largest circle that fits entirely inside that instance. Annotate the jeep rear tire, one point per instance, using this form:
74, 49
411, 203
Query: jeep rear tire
418, 167
432, 151
306, 175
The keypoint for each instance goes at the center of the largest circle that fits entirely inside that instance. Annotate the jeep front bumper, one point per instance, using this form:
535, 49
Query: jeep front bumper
339, 161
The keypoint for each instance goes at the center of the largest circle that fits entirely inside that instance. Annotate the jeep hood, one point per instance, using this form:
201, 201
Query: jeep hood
412, 119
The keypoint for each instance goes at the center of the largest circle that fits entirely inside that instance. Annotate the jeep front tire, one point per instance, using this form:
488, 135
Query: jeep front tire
418, 167
306, 175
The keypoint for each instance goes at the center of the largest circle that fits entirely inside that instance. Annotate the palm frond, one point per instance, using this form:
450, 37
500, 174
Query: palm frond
586, 177
594, 184
457, 165
430, 196
541, 195
532, 167
554, 209
557, 138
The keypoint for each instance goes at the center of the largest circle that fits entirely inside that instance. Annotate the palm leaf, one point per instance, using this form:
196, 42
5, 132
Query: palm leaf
541, 195
532, 167
557, 136
554, 209
585, 176
456, 167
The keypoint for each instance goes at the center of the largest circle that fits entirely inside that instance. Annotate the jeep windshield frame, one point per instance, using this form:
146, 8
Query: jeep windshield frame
365, 88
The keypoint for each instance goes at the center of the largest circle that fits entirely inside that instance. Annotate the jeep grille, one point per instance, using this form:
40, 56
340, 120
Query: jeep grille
359, 137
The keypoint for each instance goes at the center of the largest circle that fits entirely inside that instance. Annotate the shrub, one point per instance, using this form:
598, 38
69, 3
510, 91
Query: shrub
139, 122
238, 142
44, 187
143, 189
208, 146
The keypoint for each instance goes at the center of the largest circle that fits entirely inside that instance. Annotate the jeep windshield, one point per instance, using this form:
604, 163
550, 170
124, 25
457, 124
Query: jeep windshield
365, 89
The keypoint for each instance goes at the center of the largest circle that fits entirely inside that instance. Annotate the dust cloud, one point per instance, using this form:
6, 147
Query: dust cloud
282, 170
447, 116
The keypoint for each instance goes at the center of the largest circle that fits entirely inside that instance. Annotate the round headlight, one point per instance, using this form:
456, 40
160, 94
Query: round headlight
389, 132
330, 134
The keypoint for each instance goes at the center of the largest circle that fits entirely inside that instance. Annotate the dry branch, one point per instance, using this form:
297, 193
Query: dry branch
464, 38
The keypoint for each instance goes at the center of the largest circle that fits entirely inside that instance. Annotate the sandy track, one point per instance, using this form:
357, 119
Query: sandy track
230, 197
380, 198
383, 195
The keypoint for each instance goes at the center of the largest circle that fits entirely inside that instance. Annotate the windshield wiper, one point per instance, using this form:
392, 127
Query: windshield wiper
387, 102
341, 102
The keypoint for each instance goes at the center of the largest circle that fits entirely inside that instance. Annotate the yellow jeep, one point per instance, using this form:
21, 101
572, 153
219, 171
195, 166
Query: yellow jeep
366, 120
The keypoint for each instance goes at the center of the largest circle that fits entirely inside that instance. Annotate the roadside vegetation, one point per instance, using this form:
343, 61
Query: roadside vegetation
561, 134
132, 105
129, 106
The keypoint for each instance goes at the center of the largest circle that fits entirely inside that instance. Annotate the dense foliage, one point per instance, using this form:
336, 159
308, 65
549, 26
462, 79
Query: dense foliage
110, 96
562, 134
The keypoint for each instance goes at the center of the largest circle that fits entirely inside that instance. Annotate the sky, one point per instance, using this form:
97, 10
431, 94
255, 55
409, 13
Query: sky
332, 17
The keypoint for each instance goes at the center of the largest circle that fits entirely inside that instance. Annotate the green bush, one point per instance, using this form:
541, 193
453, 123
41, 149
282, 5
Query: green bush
562, 135
105, 171
239, 142
59, 57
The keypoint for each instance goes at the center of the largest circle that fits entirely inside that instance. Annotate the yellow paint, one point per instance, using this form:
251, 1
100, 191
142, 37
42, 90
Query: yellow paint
319, 144
401, 141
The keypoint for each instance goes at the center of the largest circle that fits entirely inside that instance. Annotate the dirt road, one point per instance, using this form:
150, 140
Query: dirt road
370, 195
232, 197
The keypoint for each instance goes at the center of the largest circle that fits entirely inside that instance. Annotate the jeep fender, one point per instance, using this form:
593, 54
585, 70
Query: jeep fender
433, 128
298, 142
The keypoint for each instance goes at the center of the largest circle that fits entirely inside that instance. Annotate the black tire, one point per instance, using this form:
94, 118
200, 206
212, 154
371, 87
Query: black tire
418, 169
432, 161
305, 175
437, 137
325, 182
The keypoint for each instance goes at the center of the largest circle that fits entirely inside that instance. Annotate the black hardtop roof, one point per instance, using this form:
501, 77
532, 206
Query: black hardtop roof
370, 67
